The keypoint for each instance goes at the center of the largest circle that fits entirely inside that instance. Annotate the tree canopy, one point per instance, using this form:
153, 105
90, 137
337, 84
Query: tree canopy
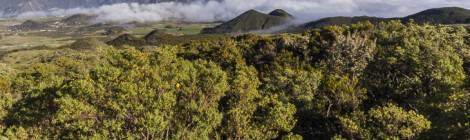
364, 81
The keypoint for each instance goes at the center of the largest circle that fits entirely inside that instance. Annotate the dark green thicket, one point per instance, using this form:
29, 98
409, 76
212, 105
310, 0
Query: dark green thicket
364, 81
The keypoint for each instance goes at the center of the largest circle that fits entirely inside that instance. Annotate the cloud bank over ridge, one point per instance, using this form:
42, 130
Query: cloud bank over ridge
208, 11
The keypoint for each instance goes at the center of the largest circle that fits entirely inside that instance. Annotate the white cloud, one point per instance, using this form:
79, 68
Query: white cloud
227, 9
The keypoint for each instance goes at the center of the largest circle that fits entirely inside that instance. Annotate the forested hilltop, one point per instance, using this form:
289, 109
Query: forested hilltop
386, 81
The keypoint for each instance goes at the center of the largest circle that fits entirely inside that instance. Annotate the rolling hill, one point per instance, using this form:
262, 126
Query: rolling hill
126, 39
446, 15
29, 25
342, 21
78, 19
252, 20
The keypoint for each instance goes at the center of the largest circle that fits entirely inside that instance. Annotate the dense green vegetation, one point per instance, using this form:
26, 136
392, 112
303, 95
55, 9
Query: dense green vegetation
364, 81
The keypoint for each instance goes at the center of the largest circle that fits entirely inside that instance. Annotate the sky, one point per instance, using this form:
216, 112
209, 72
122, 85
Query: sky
304, 10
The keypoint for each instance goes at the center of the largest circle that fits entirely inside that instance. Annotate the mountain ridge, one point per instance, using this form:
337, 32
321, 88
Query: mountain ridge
252, 20
11, 8
443, 15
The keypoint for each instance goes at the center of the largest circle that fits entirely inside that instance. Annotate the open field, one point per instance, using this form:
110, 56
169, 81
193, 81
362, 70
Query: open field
172, 28
55, 37
20, 48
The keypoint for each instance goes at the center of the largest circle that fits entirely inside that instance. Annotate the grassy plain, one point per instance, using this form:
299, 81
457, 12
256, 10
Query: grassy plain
20, 48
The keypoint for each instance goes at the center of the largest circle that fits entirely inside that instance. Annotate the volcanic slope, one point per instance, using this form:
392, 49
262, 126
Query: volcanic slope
252, 20
445, 15
78, 19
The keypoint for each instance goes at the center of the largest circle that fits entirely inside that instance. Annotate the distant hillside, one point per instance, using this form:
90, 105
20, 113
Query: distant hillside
78, 19
280, 13
126, 39
161, 37
252, 20
446, 15
11, 8
29, 25
94, 27
343, 21
85, 44
114, 30
157, 36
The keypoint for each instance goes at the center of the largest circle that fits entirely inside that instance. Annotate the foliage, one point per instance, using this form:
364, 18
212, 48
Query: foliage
384, 122
364, 81
6, 98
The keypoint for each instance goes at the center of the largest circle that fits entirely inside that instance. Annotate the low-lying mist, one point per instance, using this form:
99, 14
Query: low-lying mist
211, 11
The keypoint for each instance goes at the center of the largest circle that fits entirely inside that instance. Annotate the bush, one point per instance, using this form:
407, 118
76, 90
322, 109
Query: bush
385, 122
390, 81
